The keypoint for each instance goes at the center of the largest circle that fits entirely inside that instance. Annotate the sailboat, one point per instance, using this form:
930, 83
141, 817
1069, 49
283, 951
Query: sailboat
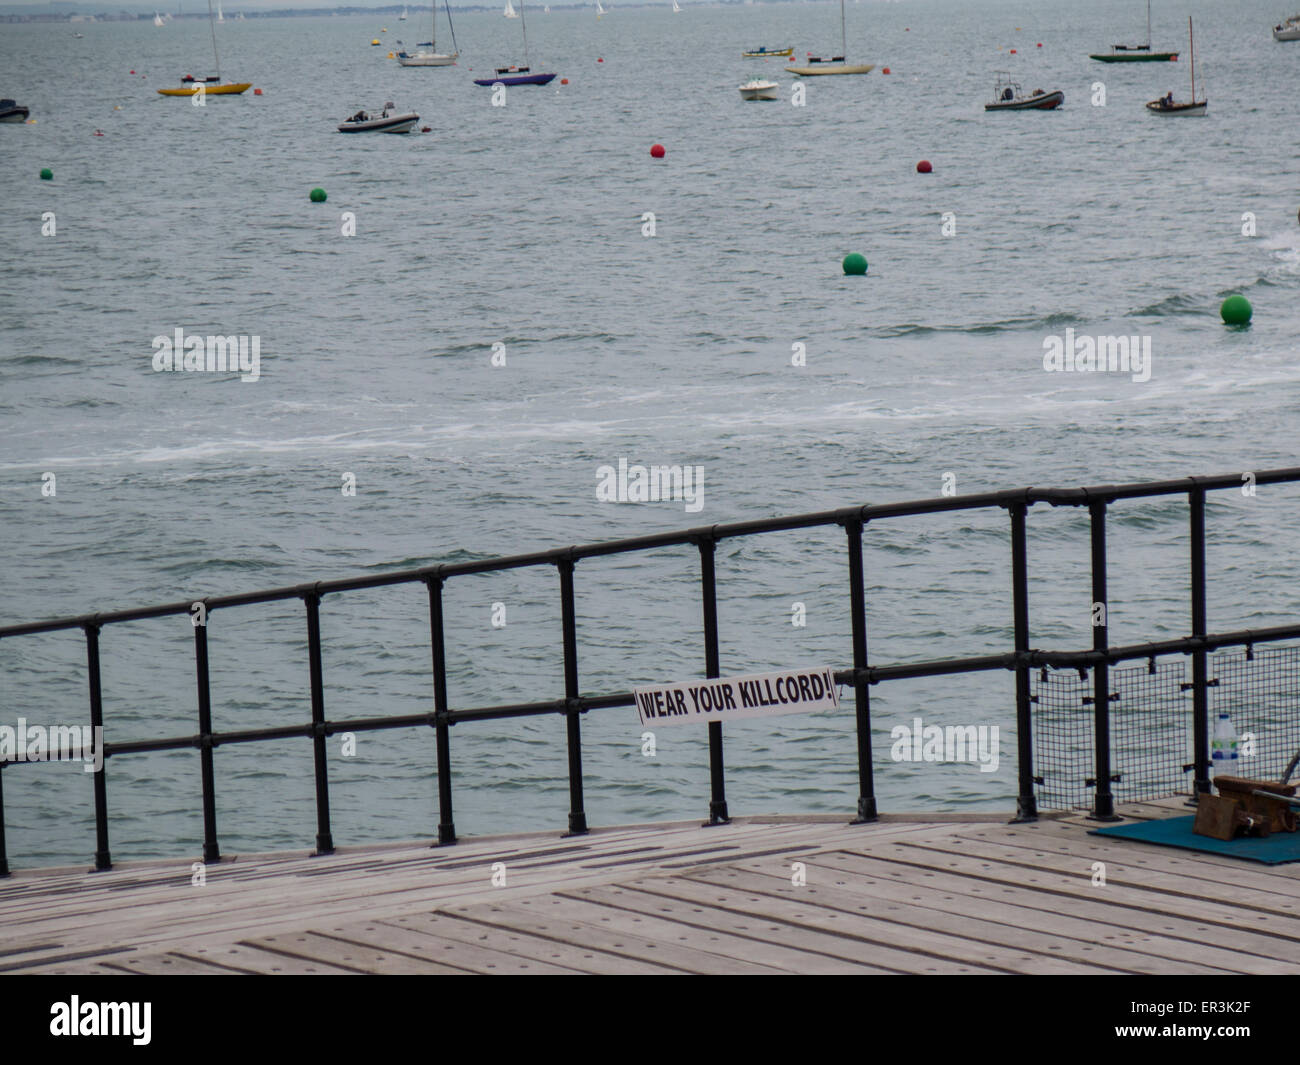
675, 6
1166, 105
402, 16
432, 58
836, 64
517, 75
1136, 53
158, 19
509, 12
190, 85
599, 10
220, 16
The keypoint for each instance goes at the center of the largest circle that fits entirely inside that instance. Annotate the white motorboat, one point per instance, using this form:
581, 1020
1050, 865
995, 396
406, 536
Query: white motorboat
384, 122
758, 89
1288, 30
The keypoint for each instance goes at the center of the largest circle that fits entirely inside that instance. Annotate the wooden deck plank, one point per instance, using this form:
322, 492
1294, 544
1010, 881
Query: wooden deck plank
757, 926
248, 959
871, 932
450, 953
1176, 938
736, 948
532, 915
1046, 945
1123, 871
314, 947
167, 965
1077, 884
521, 945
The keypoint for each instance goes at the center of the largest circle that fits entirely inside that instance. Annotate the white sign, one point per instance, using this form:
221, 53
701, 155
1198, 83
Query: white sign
794, 691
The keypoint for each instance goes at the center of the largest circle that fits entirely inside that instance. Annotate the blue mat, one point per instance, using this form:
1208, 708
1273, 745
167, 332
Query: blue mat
1277, 849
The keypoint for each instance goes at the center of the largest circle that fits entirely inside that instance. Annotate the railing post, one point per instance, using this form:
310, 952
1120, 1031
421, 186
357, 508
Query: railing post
103, 860
862, 697
1200, 678
211, 852
577, 815
446, 826
4, 860
1026, 801
1104, 800
709, 592
324, 838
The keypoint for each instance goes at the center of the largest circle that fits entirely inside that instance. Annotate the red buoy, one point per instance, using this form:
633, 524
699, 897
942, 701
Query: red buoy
924, 167
657, 151
1013, 51
885, 71
1040, 44
133, 72
600, 61
564, 81
257, 92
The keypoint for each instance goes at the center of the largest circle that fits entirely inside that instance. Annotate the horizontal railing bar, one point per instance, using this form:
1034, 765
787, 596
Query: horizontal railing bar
873, 675
865, 513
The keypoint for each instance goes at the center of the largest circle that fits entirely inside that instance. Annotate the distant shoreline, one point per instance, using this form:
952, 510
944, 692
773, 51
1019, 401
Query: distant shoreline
78, 18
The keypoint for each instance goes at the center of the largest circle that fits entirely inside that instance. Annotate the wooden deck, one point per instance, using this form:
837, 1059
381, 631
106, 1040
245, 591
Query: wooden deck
909, 894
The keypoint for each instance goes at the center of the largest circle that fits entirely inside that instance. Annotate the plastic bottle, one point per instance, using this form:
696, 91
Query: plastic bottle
1223, 746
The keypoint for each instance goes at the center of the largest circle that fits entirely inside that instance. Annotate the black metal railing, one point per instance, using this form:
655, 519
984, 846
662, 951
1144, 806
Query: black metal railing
1021, 659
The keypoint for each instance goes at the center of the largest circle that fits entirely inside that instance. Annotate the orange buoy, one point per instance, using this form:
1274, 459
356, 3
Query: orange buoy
657, 151
924, 167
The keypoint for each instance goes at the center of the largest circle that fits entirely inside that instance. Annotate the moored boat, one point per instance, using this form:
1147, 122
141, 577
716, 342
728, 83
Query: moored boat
1136, 53
817, 66
1288, 30
1167, 105
384, 122
758, 89
1008, 96
208, 86
514, 75
767, 53
12, 111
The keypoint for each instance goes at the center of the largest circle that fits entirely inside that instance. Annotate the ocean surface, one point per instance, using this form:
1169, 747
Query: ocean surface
524, 225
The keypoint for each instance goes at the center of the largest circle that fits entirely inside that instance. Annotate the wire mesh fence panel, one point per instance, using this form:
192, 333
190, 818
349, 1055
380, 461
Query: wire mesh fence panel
1062, 739
1260, 692
1151, 732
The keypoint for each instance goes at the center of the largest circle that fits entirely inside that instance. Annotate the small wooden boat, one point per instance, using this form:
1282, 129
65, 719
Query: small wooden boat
1167, 105
1008, 96
764, 53
11, 111
384, 122
209, 87
759, 90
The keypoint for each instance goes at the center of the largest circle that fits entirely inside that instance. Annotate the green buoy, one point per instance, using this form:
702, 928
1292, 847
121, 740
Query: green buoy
1236, 310
47, 174
317, 195
855, 263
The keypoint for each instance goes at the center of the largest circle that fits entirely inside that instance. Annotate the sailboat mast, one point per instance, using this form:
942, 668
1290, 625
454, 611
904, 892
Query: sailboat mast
523, 24
844, 50
213, 27
1148, 25
1191, 51
433, 35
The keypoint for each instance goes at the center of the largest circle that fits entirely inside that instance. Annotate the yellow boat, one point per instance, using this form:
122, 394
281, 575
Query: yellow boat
209, 89
764, 53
